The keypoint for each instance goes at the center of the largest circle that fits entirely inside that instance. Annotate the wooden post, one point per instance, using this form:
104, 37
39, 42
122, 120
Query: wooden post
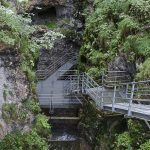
114, 98
131, 100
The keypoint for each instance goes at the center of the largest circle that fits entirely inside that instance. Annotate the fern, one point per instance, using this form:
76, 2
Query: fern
114, 27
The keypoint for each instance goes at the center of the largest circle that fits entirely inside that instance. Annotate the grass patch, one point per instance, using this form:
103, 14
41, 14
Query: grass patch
51, 25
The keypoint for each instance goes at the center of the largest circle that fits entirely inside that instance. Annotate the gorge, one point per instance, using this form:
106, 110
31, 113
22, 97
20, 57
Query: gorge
64, 67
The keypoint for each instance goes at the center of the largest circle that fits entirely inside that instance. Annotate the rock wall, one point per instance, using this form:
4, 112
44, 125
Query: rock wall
13, 89
121, 63
46, 11
99, 127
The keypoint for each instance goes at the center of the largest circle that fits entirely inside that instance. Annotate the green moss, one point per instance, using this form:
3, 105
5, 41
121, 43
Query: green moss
13, 113
51, 25
68, 32
97, 127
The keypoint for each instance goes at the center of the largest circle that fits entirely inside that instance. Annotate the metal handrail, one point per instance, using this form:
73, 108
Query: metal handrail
116, 71
54, 66
118, 95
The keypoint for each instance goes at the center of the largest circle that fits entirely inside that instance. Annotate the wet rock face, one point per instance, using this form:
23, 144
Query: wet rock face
49, 10
14, 84
99, 127
14, 89
46, 3
120, 63
61, 47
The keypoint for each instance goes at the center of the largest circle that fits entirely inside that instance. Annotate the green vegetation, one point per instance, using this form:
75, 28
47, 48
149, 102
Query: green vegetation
117, 27
14, 113
22, 115
18, 141
18, 34
113, 133
98, 129
145, 146
42, 126
135, 138
51, 25
5, 3
32, 105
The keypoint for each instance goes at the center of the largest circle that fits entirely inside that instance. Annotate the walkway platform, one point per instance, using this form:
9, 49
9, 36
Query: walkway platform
137, 110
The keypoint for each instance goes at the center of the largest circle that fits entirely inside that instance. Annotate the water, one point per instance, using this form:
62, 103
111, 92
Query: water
65, 137
65, 134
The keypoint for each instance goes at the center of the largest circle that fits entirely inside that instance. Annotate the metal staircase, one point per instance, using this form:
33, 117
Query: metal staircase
42, 74
129, 98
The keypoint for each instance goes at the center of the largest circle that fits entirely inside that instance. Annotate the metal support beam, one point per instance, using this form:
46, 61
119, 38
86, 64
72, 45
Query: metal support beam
148, 124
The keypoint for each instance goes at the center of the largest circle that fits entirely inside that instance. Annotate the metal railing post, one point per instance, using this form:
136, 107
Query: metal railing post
103, 74
87, 84
102, 98
51, 105
127, 87
83, 83
71, 83
131, 100
97, 96
114, 98
78, 78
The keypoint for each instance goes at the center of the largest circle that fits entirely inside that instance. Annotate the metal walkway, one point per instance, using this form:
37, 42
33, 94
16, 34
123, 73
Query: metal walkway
131, 99
60, 87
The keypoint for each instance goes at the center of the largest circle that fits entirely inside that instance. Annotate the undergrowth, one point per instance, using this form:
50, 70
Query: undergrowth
117, 27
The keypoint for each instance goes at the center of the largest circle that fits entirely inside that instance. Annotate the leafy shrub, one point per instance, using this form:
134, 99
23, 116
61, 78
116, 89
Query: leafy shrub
5, 3
124, 142
116, 27
17, 32
134, 138
14, 113
32, 105
29, 73
145, 146
42, 126
18, 141
144, 70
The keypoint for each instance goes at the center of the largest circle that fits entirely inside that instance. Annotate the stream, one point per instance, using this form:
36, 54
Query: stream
65, 134
65, 137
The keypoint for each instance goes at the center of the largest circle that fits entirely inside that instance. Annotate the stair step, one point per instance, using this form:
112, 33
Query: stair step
64, 118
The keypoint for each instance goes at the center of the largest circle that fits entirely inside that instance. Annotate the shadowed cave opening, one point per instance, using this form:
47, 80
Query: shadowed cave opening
43, 15
47, 13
